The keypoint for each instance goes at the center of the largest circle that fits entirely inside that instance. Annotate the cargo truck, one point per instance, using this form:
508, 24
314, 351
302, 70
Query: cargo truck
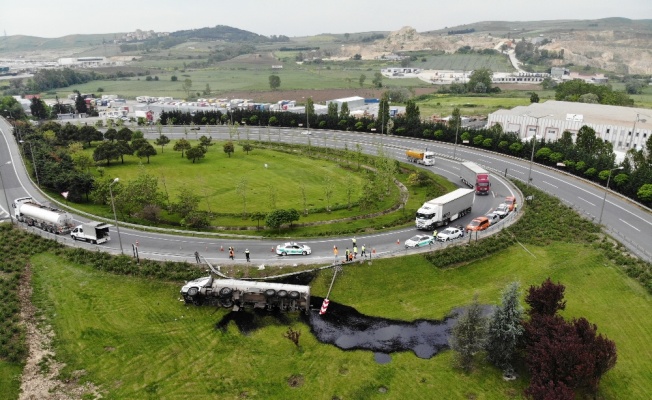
475, 177
50, 219
238, 294
445, 209
94, 232
421, 157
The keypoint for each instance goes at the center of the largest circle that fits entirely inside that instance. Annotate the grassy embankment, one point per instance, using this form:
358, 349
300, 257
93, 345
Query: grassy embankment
138, 341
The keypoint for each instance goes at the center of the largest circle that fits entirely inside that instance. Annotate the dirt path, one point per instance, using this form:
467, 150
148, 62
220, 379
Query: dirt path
40, 378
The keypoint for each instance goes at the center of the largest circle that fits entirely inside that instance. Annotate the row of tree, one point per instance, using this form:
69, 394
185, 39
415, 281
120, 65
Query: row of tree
562, 357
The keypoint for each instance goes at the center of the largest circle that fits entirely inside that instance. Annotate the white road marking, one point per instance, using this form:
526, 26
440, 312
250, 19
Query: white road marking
548, 183
626, 223
586, 201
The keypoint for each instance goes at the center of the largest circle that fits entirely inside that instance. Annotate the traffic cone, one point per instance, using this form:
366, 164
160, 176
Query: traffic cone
398, 241
272, 249
373, 251
221, 248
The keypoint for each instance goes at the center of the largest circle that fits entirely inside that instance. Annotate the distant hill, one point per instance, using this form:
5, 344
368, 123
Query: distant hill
220, 32
22, 43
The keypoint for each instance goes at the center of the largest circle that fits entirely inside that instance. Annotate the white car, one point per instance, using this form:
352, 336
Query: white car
419, 240
449, 234
493, 218
292, 248
502, 210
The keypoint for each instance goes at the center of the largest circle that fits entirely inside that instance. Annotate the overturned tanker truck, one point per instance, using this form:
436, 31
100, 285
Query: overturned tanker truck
237, 294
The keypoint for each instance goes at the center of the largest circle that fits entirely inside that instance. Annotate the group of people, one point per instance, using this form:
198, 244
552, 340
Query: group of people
350, 255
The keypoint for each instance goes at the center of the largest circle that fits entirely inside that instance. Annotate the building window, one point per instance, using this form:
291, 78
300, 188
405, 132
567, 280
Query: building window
630, 133
634, 145
636, 134
608, 130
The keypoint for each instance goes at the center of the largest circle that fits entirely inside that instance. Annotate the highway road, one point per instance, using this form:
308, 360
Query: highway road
628, 222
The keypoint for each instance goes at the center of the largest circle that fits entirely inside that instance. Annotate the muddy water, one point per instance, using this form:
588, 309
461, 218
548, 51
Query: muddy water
347, 329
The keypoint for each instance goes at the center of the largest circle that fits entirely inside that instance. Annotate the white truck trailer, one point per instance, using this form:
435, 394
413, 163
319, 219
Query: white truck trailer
94, 232
445, 209
238, 294
421, 157
50, 219
475, 177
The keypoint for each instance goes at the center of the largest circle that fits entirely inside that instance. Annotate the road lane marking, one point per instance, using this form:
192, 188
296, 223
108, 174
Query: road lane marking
548, 183
627, 223
586, 201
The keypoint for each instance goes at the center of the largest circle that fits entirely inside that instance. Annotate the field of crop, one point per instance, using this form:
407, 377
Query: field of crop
466, 62
138, 341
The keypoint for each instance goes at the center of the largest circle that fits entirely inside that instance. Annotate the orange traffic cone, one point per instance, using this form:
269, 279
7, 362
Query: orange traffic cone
373, 251
398, 241
221, 248
272, 249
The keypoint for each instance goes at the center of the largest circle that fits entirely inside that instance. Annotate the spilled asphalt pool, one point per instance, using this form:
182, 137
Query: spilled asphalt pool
344, 327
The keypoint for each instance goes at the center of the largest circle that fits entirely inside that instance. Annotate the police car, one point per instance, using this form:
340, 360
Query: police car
292, 248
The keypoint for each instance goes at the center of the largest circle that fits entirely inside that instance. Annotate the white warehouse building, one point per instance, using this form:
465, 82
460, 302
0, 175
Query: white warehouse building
352, 102
625, 127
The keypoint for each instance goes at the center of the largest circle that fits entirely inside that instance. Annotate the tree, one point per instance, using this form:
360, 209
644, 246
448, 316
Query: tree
207, 91
146, 150
125, 134
310, 107
187, 86
361, 80
247, 147
412, 113
229, 148
480, 80
39, 109
80, 104
505, 330
195, 153
644, 193
241, 190
205, 142
174, 78
110, 134
378, 80
344, 111
534, 98
258, 216
332, 110
468, 335
274, 82
546, 299
89, 133
139, 193
187, 203
181, 145
106, 151
162, 141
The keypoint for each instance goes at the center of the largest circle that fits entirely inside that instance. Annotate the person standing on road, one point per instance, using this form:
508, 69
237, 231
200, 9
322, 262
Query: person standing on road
434, 234
231, 253
197, 257
346, 254
363, 251
355, 251
335, 252
515, 208
353, 241
247, 254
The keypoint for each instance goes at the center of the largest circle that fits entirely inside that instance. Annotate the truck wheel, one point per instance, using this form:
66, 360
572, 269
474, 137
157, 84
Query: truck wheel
93, 241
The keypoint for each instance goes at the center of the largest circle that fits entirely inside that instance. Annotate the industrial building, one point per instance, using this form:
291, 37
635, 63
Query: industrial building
352, 102
625, 127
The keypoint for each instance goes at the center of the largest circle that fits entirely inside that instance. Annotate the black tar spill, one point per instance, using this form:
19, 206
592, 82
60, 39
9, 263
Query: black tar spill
347, 329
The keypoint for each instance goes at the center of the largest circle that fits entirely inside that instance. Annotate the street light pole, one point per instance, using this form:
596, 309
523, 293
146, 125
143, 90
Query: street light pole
4, 190
534, 144
31, 150
115, 218
606, 189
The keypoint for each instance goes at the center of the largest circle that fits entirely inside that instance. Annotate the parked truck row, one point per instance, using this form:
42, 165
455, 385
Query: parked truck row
421, 157
475, 177
445, 209
53, 220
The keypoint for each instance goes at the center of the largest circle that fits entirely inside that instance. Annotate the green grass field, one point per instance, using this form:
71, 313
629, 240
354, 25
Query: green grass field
138, 340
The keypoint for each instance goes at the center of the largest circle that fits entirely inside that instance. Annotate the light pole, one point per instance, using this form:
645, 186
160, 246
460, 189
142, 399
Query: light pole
534, 144
115, 218
31, 150
4, 190
457, 130
606, 189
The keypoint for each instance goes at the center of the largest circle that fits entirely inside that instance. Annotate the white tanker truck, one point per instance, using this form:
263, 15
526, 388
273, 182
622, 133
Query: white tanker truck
236, 294
50, 219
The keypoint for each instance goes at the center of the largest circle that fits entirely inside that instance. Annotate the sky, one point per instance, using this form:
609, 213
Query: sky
48, 18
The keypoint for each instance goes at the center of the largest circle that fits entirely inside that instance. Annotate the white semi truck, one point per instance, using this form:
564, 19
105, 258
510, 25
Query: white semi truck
238, 294
445, 209
94, 232
50, 219
421, 157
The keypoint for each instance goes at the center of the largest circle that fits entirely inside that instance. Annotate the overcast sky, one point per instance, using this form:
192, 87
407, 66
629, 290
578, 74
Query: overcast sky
51, 18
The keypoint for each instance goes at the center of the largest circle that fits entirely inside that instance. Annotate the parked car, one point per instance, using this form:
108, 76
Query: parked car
194, 128
478, 224
502, 210
449, 234
306, 133
493, 218
419, 240
292, 248
510, 201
